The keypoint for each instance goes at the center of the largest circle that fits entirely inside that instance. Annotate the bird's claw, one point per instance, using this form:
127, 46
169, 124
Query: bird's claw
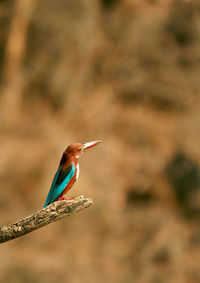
64, 198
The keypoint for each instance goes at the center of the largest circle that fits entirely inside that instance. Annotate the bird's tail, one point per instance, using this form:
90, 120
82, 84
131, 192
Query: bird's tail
46, 203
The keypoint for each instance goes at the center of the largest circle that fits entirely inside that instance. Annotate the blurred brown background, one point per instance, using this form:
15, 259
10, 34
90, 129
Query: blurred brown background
126, 72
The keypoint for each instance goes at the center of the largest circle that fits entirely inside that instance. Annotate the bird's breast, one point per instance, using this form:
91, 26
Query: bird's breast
77, 171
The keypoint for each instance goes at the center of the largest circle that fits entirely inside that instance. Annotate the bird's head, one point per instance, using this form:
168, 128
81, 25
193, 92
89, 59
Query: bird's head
77, 149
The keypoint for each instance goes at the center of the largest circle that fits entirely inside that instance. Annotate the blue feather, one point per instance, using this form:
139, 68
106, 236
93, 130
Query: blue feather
59, 183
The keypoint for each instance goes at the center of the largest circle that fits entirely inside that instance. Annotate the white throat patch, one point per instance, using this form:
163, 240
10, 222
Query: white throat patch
77, 171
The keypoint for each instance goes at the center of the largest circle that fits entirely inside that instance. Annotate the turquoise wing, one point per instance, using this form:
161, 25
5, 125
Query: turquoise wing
59, 183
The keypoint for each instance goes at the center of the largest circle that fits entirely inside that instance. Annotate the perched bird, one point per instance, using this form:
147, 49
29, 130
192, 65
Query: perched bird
68, 171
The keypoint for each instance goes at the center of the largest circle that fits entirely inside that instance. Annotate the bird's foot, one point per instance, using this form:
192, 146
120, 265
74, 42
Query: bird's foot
64, 198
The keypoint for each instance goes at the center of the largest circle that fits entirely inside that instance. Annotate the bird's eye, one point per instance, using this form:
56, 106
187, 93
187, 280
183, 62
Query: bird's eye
79, 149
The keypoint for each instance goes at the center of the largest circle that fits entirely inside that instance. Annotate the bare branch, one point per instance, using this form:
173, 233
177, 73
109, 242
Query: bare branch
45, 216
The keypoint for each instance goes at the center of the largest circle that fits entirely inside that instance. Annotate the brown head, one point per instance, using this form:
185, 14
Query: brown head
75, 150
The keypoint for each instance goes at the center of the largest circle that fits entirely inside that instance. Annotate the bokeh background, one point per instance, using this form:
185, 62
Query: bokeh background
126, 72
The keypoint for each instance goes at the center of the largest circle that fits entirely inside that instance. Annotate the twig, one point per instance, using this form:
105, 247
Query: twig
45, 216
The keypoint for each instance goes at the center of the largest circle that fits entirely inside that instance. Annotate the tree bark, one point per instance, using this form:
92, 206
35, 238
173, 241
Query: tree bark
45, 216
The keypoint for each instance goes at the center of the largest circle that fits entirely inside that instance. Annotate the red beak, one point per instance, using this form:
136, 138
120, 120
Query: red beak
90, 144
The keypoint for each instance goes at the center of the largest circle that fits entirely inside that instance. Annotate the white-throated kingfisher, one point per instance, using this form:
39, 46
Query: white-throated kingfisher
68, 171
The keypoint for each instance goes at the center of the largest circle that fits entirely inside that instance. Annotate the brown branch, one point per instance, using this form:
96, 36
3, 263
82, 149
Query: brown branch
45, 216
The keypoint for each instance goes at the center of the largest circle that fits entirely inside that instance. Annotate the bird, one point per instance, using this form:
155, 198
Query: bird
68, 171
